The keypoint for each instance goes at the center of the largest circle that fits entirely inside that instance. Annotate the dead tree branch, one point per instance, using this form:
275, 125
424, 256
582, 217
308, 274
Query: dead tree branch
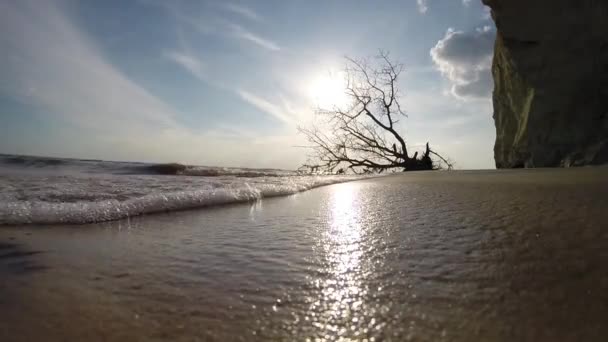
364, 136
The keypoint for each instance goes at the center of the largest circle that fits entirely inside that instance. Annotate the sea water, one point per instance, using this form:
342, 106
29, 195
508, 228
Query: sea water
508, 255
41, 190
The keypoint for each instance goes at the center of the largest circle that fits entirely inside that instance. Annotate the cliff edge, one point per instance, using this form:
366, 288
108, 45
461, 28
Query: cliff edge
550, 74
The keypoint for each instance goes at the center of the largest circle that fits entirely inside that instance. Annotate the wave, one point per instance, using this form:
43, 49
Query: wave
45, 190
37, 211
29, 161
67, 165
175, 169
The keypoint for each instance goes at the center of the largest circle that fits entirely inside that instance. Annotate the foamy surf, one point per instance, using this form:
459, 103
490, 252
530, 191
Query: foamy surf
51, 191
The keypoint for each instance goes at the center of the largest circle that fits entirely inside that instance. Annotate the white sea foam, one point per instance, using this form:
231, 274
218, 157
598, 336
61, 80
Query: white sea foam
46, 191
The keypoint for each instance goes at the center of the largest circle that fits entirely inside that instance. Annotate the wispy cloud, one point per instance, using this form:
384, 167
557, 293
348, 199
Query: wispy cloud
187, 61
56, 68
265, 106
195, 67
49, 64
422, 6
243, 11
215, 24
249, 36
267, 44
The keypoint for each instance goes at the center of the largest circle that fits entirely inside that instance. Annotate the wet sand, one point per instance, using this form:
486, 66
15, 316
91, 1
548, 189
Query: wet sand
516, 255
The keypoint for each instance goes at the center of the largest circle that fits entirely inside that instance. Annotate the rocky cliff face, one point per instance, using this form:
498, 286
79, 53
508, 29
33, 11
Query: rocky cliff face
551, 82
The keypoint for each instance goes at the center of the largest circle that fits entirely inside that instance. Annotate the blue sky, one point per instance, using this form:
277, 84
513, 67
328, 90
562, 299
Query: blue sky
227, 82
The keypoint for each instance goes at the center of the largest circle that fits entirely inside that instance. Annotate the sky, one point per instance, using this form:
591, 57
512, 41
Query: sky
226, 83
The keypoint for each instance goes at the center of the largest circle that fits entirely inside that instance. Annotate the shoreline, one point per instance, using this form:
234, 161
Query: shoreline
499, 256
116, 211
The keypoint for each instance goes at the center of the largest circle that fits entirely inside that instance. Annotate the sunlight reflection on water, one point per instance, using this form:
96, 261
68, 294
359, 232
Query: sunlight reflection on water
382, 260
340, 302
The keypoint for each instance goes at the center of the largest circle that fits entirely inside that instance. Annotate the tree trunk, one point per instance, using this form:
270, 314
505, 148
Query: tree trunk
424, 163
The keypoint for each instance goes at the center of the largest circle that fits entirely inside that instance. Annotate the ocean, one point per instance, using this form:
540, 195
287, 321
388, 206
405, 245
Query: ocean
501, 255
43, 190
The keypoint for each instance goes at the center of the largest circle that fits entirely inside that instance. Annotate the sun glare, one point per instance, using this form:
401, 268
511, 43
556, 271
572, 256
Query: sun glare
328, 90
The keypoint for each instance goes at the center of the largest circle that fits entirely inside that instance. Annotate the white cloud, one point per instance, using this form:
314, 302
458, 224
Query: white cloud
422, 5
266, 106
487, 13
244, 34
465, 60
194, 67
187, 61
243, 11
212, 23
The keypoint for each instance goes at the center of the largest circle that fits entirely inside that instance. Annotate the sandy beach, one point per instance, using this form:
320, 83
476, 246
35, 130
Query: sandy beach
517, 255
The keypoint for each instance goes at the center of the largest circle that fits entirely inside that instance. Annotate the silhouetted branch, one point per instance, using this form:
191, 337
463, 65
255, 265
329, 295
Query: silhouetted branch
363, 136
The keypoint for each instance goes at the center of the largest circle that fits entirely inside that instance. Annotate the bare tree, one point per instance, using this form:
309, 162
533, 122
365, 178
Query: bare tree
363, 136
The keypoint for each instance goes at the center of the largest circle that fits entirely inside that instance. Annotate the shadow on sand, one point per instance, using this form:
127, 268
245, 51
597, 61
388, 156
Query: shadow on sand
14, 260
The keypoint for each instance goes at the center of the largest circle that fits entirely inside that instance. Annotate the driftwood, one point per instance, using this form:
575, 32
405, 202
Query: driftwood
364, 137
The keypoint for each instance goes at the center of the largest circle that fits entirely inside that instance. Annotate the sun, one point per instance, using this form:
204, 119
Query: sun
328, 90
